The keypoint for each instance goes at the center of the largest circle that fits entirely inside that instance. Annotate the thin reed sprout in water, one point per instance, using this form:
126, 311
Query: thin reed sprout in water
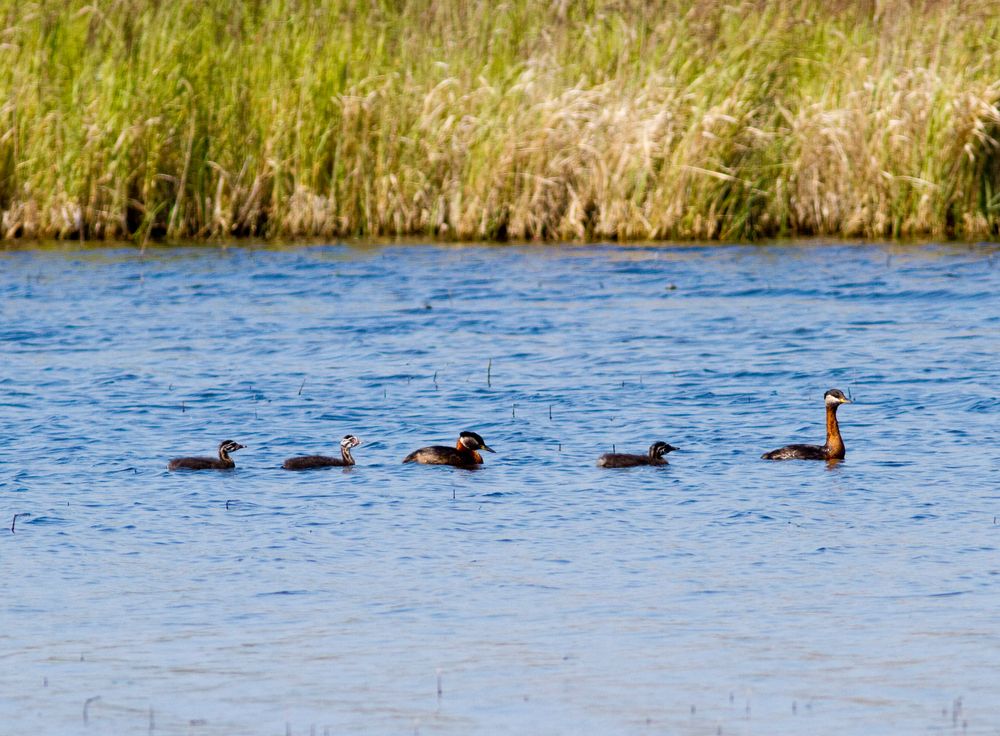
519, 120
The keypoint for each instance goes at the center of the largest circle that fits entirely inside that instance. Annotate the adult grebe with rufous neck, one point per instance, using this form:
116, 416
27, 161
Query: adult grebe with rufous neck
309, 462
833, 449
463, 455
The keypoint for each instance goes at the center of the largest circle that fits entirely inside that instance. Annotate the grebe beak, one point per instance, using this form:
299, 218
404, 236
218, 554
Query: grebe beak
488, 449
846, 401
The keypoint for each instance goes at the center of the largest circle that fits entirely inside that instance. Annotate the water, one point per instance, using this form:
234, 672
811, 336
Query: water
541, 594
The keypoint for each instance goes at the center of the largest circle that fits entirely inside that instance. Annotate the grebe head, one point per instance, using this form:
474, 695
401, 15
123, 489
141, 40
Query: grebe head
349, 441
659, 449
228, 446
472, 441
835, 397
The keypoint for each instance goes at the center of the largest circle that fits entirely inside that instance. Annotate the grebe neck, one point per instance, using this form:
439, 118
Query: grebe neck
834, 442
466, 450
345, 453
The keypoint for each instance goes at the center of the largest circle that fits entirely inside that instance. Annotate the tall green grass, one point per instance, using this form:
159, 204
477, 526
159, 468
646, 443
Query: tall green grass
509, 119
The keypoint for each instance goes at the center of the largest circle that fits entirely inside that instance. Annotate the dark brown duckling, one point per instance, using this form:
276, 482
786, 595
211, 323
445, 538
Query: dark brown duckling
223, 462
308, 462
621, 460
463, 455
833, 449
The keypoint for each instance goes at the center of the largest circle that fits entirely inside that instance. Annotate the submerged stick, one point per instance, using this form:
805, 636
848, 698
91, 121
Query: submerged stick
489, 371
14, 520
86, 705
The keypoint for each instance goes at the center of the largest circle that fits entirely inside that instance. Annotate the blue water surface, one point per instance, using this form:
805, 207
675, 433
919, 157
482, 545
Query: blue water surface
539, 595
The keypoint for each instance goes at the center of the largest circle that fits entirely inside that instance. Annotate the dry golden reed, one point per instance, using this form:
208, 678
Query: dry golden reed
525, 119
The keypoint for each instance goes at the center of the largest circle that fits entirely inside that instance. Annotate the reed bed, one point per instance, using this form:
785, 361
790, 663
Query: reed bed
510, 119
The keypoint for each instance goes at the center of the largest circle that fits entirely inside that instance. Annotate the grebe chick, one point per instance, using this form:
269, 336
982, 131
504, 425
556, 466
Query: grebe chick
622, 460
223, 462
833, 449
308, 462
463, 455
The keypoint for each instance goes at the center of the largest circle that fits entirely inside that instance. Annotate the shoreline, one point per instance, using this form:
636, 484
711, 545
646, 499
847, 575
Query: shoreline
249, 243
